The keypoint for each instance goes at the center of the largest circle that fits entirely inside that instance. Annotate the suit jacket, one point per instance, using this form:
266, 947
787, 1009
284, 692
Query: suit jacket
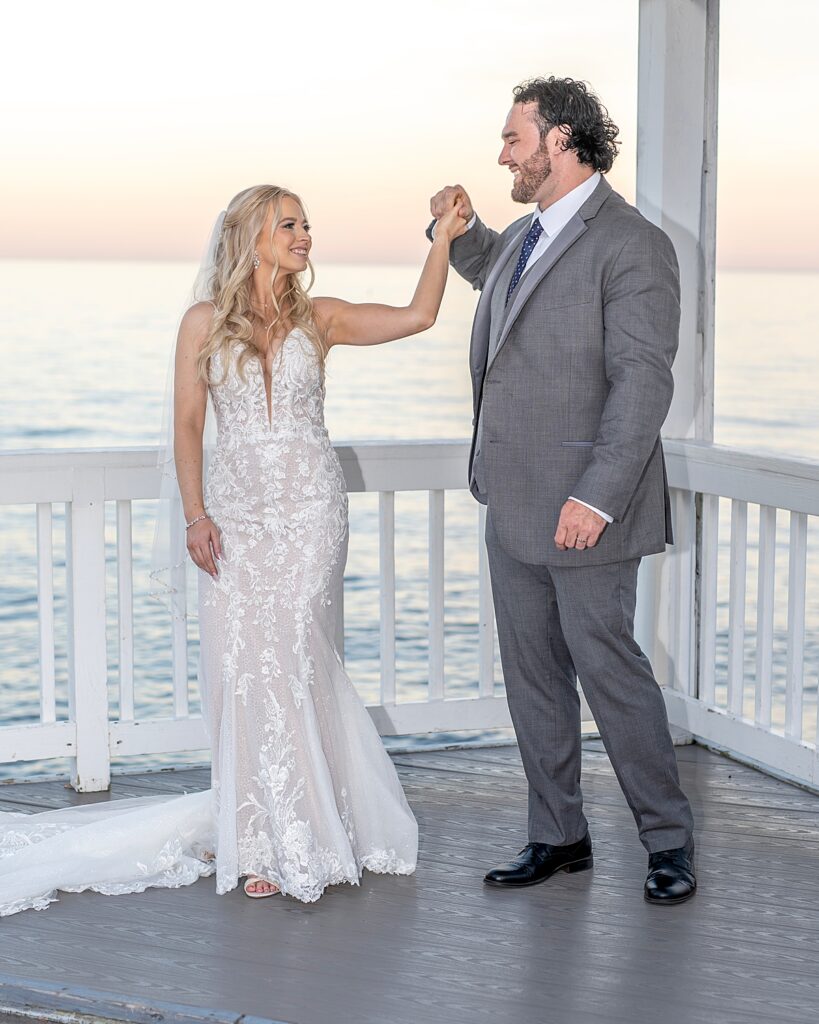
572, 381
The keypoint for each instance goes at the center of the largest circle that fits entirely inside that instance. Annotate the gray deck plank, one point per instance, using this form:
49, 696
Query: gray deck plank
441, 947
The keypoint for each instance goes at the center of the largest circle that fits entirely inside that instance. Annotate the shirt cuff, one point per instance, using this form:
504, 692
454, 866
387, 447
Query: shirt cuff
471, 224
597, 510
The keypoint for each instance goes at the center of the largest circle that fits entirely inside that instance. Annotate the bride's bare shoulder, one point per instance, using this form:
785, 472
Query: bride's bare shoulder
195, 324
199, 315
325, 312
326, 306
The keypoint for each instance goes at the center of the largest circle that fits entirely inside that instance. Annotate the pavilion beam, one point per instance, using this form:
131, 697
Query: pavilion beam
676, 189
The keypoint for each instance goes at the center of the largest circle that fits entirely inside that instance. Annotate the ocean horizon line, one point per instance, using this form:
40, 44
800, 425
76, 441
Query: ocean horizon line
398, 264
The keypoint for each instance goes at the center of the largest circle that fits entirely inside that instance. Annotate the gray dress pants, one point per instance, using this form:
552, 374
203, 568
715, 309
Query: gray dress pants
556, 623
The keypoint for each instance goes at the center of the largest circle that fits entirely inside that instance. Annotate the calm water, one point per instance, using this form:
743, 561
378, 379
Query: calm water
85, 350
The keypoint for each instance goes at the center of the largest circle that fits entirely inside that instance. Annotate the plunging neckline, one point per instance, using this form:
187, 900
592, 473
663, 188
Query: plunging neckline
267, 394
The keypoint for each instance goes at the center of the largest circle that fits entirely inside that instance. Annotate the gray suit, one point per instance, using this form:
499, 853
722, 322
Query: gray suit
572, 382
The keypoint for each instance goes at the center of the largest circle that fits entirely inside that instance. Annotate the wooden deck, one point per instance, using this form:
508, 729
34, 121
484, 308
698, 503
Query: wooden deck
440, 946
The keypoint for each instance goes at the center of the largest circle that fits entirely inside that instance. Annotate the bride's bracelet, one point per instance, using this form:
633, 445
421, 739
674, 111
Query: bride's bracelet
197, 520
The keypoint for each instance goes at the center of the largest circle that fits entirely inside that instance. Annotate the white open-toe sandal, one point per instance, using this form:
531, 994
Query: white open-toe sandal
252, 880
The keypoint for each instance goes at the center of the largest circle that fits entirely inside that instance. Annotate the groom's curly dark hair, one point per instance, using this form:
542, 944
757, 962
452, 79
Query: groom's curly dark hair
564, 101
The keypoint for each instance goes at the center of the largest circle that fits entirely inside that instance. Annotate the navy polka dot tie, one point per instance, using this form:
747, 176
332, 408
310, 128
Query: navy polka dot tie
529, 242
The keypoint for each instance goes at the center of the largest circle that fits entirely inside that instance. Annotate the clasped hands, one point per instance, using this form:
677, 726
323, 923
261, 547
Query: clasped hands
452, 209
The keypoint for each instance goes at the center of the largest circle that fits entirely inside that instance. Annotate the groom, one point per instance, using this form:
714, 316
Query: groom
572, 345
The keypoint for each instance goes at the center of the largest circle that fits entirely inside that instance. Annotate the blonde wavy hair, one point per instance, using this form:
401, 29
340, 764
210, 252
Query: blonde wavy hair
230, 285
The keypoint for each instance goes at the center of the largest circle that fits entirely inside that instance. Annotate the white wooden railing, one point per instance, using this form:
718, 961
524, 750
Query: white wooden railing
83, 481
679, 605
741, 699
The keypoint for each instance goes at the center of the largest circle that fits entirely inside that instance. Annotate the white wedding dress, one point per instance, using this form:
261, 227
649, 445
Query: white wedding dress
303, 793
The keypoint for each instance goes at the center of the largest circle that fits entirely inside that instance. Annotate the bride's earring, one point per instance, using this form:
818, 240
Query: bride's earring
256, 260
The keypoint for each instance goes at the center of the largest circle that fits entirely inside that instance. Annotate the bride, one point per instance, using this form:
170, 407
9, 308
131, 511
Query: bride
303, 793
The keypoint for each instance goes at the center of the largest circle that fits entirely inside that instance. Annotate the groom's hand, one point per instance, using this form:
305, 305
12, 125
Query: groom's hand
578, 527
441, 202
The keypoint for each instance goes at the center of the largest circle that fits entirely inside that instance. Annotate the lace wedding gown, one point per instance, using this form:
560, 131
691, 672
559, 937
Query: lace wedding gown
303, 792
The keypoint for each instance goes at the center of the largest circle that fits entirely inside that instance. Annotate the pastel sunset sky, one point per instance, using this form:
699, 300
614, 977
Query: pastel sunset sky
126, 129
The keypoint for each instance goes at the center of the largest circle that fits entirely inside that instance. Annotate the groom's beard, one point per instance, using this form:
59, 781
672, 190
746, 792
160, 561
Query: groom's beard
531, 175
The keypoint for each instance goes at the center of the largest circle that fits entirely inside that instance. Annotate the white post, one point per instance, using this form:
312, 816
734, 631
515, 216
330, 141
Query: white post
676, 188
676, 182
88, 681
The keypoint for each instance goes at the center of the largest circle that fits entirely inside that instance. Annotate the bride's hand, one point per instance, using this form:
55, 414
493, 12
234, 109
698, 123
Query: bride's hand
452, 224
205, 545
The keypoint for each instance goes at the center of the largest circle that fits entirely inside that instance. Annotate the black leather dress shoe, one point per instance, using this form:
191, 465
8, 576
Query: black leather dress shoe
539, 861
671, 876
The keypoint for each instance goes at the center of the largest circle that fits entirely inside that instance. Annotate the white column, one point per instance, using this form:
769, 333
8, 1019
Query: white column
676, 182
676, 189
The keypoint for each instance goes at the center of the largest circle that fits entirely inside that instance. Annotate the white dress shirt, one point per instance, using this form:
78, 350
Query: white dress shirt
553, 219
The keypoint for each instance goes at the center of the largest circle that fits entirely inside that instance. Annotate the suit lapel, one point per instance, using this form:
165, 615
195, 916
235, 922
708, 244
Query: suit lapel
530, 280
565, 239
479, 347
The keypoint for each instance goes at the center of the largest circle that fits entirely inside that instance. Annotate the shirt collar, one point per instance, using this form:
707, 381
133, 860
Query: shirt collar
555, 217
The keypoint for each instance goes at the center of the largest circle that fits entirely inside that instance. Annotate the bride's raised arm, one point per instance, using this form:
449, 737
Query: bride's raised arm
371, 323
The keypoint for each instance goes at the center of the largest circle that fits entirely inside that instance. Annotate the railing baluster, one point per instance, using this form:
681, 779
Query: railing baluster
386, 572
338, 599
125, 611
436, 595
69, 599
736, 606
486, 615
708, 597
795, 670
766, 580
816, 732
88, 682
179, 623
45, 611
684, 564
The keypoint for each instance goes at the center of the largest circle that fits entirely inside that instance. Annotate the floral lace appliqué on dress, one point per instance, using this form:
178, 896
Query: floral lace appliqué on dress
303, 792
